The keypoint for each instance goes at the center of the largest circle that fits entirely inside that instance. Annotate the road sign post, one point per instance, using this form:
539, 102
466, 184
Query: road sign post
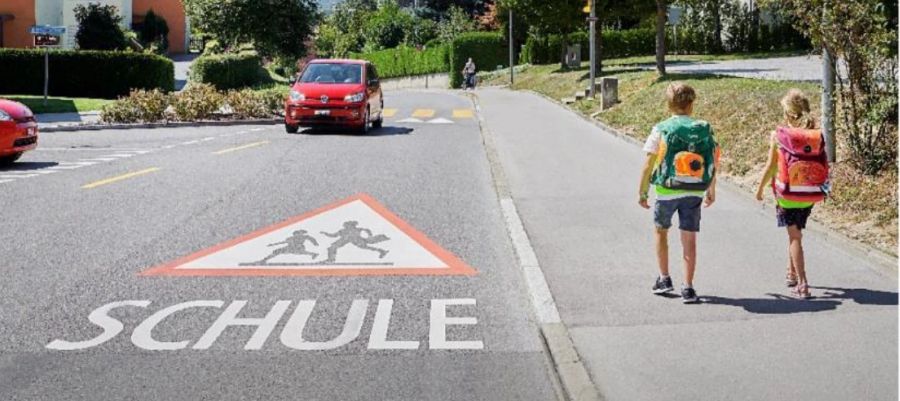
593, 44
46, 36
511, 49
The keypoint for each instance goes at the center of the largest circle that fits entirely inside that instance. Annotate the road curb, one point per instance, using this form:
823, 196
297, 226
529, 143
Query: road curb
99, 127
883, 263
574, 380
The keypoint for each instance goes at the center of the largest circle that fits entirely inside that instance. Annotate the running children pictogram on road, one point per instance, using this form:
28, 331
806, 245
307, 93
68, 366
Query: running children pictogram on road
356, 236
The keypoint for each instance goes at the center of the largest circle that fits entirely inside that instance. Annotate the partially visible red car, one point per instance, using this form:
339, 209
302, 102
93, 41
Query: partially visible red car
18, 131
335, 93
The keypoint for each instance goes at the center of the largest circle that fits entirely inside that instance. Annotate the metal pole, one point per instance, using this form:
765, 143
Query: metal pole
828, 96
512, 62
46, 73
828, 103
593, 44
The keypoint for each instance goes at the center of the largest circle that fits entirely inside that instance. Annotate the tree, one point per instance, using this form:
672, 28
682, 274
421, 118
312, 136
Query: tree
455, 23
387, 27
863, 35
661, 17
99, 28
274, 27
558, 17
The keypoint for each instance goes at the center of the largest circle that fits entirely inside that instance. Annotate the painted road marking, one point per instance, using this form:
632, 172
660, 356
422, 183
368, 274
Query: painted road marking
5, 181
389, 112
100, 159
190, 142
410, 120
117, 178
440, 120
463, 113
8, 176
292, 333
120, 155
318, 243
256, 129
247, 146
423, 113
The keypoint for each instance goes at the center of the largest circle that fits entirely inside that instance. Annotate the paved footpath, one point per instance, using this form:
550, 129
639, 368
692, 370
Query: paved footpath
574, 187
797, 68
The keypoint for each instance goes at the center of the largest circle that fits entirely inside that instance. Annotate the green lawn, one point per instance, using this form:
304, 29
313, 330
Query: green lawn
58, 104
742, 112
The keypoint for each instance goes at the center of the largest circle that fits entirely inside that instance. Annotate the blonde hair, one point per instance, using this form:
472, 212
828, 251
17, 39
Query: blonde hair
680, 97
795, 105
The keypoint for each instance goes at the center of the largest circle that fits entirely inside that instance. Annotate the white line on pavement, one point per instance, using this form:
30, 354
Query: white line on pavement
5, 181
190, 142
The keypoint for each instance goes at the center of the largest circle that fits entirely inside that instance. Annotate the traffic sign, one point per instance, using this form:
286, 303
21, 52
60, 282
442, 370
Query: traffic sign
356, 236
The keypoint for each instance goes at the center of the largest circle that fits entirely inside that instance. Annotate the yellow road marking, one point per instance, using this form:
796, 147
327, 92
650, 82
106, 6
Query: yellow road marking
423, 113
462, 113
111, 180
389, 112
236, 148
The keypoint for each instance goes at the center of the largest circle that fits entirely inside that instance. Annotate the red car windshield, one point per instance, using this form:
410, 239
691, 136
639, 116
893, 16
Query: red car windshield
335, 73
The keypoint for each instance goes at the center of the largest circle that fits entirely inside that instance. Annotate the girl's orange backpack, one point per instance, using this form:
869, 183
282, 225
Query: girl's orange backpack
802, 165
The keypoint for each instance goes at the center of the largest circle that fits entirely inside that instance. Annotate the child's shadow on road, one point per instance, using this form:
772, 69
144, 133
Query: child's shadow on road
829, 300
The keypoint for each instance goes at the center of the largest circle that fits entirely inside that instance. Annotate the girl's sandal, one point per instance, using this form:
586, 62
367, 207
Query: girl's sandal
801, 291
790, 279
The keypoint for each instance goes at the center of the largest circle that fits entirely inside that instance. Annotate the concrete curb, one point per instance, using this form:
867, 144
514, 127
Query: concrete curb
574, 380
884, 263
98, 127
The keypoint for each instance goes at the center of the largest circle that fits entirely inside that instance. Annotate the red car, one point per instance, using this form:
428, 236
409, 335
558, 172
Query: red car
335, 93
18, 130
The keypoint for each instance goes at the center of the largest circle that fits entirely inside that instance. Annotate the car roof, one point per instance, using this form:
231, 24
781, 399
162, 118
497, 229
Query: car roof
338, 61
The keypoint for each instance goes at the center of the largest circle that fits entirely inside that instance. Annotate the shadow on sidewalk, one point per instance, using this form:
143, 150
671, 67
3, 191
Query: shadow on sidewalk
861, 296
777, 305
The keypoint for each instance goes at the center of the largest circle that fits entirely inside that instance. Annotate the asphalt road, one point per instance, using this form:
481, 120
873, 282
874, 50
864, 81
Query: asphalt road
88, 212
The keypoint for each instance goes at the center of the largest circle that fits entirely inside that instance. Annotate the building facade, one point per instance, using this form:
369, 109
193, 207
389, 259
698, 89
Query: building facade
16, 16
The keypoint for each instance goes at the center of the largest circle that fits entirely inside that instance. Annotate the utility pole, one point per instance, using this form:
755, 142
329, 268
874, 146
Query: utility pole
828, 64
593, 45
511, 49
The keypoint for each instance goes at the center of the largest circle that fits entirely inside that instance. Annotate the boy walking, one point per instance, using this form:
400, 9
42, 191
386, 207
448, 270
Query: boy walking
682, 159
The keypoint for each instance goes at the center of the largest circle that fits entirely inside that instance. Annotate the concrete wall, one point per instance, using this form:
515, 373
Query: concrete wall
15, 31
173, 12
433, 81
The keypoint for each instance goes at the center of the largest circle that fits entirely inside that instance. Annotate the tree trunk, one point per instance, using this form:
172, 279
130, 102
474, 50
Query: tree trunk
661, 37
717, 19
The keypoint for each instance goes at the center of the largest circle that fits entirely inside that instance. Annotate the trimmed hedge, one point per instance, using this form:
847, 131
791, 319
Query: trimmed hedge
84, 73
406, 61
487, 49
622, 43
227, 71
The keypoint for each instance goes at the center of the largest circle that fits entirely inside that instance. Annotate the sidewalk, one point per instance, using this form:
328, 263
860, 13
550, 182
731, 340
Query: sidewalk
575, 189
798, 68
67, 119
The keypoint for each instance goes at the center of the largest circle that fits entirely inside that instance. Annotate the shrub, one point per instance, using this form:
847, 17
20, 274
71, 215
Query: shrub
139, 106
227, 71
622, 43
247, 103
99, 27
487, 50
197, 102
406, 61
95, 74
154, 31
273, 99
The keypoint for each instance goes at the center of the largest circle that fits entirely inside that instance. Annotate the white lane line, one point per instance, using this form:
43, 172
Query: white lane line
541, 298
68, 166
209, 138
8, 176
45, 171
5, 181
142, 152
190, 142
169, 146
79, 163
100, 159
120, 155
91, 149
256, 129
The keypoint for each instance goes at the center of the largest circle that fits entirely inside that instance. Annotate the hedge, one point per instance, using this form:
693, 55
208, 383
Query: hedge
406, 61
487, 49
227, 71
84, 73
622, 43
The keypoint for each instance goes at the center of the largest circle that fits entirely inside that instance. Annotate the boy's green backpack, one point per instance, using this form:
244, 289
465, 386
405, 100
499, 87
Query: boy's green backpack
687, 152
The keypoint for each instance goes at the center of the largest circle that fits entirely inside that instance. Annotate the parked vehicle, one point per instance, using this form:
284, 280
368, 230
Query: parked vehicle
18, 130
343, 93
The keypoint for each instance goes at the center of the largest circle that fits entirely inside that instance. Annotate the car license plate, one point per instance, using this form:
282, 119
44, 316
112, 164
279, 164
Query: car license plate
323, 112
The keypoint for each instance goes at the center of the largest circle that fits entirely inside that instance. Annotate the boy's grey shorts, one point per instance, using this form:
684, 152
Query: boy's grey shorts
688, 209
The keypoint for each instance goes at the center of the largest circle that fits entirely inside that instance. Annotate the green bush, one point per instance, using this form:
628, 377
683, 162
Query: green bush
154, 32
197, 102
622, 43
227, 71
247, 103
406, 61
487, 49
93, 74
140, 106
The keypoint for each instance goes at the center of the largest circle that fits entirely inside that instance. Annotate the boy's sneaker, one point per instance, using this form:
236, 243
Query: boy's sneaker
663, 285
689, 296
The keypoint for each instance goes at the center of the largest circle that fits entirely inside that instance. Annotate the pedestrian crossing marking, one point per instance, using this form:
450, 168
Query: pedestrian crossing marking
463, 113
317, 243
410, 120
389, 112
423, 113
440, 120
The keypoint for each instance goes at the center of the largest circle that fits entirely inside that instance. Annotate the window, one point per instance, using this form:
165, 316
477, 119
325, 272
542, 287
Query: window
332, 73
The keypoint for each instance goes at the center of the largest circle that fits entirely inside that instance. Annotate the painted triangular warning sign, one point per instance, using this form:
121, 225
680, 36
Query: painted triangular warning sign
356, 236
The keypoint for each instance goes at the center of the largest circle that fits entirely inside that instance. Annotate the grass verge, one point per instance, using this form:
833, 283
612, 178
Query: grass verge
58, 104
742, 112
